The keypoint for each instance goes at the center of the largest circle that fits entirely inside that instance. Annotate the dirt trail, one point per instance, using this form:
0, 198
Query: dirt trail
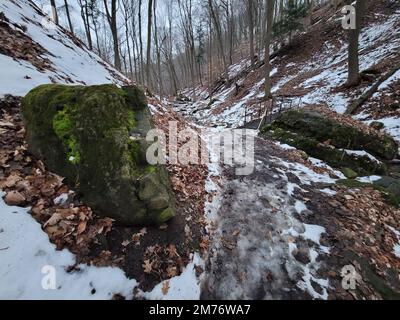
260, 232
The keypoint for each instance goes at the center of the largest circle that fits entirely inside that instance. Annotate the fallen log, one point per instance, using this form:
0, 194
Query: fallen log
355, 105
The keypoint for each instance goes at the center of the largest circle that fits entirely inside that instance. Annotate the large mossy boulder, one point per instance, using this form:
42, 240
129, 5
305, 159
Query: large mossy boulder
312, 124
95, 137
359, 164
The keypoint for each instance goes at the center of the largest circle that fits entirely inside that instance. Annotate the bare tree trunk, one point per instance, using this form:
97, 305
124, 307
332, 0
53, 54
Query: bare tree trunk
89, 34
159, 76
85, 19
96, 32
141, 42
354, 34
54, 11
250, 9
269, 12
148, 55
219, 36
311, 4
210, 58
127, 16
68, 16
112, 21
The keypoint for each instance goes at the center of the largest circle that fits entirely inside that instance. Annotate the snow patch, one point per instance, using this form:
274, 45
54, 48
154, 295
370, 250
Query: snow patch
183, 287
26, 250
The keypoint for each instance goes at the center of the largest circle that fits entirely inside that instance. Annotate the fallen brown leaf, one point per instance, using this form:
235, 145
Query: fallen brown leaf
14, 198
147, 266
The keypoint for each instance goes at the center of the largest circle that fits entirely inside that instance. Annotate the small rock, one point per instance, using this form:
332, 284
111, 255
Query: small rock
332, 274
349, 173
370, 240
302, 256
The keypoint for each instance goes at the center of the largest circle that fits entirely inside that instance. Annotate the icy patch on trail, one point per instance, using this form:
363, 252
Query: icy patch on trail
305, 174
309, 278
258, 233
212, 187
25, 250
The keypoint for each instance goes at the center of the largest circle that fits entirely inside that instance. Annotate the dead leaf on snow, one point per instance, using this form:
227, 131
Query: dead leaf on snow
165, 287
14, 198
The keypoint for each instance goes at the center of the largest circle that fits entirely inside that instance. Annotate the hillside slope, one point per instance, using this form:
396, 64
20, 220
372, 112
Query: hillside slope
291, 228
34, 51
313, 71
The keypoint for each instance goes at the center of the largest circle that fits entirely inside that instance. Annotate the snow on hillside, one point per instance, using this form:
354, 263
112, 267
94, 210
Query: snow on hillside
314, 79
66, 60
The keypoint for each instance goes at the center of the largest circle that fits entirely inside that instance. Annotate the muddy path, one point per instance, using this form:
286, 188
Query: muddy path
288, 231
263, 248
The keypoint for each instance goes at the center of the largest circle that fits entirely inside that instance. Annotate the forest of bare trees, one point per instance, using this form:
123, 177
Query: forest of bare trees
175, 44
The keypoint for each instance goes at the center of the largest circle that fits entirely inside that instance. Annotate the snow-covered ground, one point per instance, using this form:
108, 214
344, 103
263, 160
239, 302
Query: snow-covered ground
70, 62
28, 262
184, 287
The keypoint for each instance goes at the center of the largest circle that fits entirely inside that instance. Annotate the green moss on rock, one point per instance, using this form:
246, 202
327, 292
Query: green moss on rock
353, 184
83, 134
361, 165
349, 173
321, 128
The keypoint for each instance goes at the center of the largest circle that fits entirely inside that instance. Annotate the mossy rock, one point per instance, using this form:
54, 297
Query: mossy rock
95, 137
360, 165
353, 184
391, 186
349, 173
321, 128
